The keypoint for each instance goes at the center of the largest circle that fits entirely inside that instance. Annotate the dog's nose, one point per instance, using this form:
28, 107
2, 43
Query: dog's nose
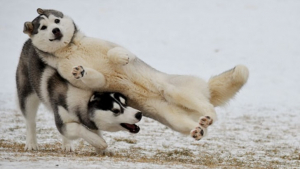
55, 31
139, 115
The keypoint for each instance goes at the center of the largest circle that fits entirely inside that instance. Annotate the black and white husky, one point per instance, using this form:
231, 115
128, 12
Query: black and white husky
184, 103
78, 113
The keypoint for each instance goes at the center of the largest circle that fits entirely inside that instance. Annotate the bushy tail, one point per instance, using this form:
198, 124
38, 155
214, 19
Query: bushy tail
224, 86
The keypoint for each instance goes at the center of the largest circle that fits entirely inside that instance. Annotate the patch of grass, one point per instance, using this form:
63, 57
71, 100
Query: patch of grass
129, 141
174, 153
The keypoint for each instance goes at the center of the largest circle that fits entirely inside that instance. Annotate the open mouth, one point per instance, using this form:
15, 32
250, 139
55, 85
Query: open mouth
131, 127
58, 37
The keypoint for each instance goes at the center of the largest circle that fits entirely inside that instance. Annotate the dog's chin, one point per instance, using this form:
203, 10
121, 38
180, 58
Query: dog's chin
132, 128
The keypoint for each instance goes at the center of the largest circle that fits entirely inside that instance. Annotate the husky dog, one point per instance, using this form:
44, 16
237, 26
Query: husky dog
184, 103
78, 113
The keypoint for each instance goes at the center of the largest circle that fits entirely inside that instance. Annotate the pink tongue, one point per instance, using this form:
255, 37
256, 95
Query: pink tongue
131, 126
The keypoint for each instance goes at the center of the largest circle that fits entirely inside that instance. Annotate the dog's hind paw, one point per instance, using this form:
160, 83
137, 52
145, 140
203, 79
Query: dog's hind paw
197, 133
205, 121
78, 72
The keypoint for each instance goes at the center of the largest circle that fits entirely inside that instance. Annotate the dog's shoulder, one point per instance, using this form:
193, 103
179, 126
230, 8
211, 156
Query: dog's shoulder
27, 50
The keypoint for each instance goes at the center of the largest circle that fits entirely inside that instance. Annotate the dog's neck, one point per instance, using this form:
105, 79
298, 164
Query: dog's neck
77, 37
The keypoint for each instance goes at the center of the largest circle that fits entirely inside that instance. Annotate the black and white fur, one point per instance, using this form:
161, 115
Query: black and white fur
78, 113
184, 103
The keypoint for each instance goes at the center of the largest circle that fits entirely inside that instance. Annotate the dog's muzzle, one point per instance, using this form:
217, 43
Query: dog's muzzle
57, 34
133, 128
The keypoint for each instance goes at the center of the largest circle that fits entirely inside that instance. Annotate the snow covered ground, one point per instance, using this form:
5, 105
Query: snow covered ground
259, 128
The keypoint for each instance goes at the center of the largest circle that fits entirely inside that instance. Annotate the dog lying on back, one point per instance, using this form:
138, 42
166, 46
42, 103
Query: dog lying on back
184, 103
78, 113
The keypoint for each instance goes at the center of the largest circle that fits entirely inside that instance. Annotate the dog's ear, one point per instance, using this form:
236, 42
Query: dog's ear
48, 12
121, 98
28, 28
40, 11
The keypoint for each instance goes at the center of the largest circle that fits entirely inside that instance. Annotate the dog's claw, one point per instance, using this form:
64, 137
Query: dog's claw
68, 148
31, 146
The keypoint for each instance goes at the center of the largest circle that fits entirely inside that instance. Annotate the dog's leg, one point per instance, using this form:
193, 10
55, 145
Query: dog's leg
99, 151
178, 119
203, 108
208, 117
61, 115
174, 95
187, 100
28, 104
67, 144
31, 103
74, 131
90, 77
181, 122
119, 55
204, 121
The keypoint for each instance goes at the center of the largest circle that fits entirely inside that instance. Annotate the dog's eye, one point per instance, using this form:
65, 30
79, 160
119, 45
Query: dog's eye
44, 27
116, 111
56, 20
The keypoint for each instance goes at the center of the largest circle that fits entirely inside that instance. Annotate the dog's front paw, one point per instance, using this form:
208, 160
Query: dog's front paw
68, 147
31, 146
205, 121
122, 58
197, 133
78, 72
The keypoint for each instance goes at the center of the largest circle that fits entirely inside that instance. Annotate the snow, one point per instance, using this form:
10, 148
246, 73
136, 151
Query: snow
259, 128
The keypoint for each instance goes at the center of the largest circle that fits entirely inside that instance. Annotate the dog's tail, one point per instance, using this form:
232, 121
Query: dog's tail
224, 86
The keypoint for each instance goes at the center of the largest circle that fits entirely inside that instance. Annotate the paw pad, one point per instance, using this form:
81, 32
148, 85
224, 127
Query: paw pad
197, 133
78, 72
205, 121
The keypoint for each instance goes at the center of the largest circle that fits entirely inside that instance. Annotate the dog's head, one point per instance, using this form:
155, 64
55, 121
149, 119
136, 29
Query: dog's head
109, 111
51, 30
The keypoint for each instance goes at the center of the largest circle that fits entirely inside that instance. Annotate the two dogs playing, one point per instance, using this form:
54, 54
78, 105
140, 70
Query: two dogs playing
64, 68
